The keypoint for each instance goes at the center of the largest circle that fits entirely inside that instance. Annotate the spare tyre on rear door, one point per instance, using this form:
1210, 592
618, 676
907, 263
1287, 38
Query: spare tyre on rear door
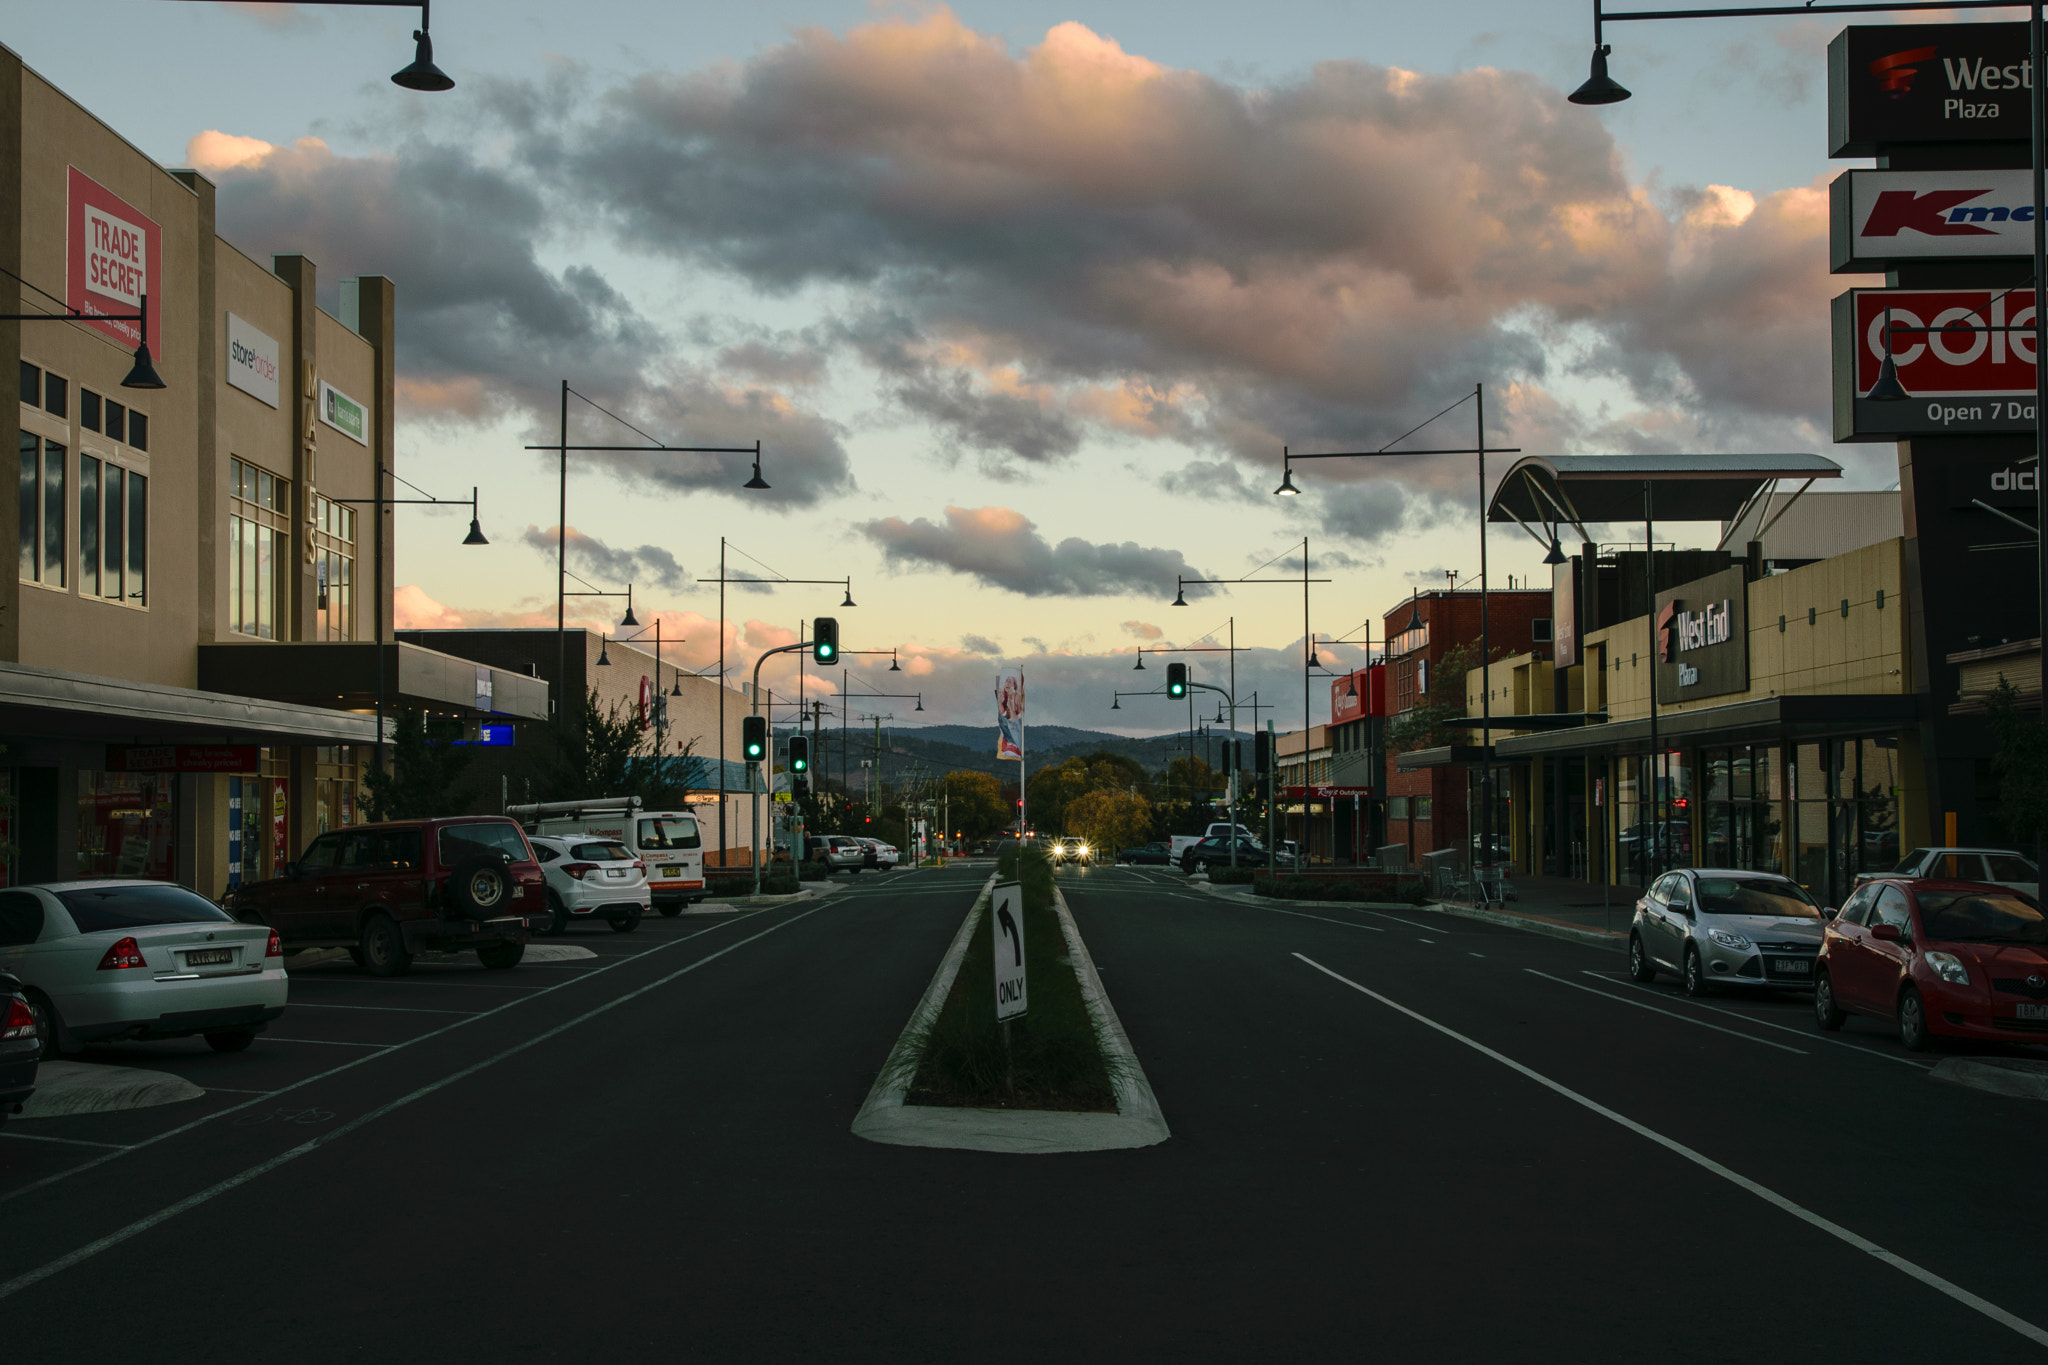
481, 887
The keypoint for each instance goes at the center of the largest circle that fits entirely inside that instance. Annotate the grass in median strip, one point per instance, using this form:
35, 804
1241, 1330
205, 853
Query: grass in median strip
1055, 1059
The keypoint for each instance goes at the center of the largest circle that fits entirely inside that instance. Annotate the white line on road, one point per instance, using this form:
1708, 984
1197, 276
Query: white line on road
1347, 923
1707, 1163
384, 1009
323, 1042
169, 1133
1668, 1014
1782, 1028
1472, 954
1430, 941
1426, 928
142, 1225
69, 1142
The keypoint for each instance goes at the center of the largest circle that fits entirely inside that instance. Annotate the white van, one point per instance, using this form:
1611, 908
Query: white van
667, 841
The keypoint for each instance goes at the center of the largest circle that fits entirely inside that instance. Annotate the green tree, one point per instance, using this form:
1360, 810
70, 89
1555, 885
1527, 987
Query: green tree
1424, 725
423, 778
975, 802
1111, 817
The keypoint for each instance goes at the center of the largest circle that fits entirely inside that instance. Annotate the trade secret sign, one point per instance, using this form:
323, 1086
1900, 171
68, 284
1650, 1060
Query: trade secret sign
252, 361
1967, 376
1877, 217
114, 256
1703, 637
1898, 83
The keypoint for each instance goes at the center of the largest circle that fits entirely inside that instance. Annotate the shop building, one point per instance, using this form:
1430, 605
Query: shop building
191, 680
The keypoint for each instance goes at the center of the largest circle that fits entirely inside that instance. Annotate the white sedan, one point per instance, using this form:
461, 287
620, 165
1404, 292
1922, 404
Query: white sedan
592, 878
108, 960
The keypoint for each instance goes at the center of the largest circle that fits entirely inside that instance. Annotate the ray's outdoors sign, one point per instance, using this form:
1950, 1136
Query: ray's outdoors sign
1927, 83
1963, 383
1703, 638
1877, 217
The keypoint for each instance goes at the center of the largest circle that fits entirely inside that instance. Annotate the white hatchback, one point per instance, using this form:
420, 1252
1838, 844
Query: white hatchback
109, 960
592, 878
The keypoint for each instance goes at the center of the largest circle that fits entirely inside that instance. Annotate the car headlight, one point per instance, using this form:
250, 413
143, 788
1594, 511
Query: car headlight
1726, 939
1949, 968
1082, 849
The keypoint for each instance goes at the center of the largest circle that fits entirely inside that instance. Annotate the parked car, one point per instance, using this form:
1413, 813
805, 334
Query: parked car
837, 852
389, 891
1155, 854
1071, 848
2001, 866
21, 1044
1712, 926
669, 843
592, 879
1215, 852
105, 960
1938, 958
879, 854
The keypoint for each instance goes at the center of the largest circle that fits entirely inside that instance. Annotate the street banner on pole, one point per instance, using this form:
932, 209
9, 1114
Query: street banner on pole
1010, 714
1006, 922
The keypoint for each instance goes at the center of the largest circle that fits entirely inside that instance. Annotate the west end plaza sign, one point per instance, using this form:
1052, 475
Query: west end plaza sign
1967, 376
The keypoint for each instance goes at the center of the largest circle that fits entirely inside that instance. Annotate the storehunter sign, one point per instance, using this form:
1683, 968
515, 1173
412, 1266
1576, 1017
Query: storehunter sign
252, 361
1876, 217
344, 413
1963, 382
1927, 83
116, 256
1703, 638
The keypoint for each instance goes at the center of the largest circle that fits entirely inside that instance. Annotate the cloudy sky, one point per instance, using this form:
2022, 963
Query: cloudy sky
1022, 301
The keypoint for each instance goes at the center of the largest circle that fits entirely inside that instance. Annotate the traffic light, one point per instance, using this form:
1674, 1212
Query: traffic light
825, 640
799, 753
800, 786
1176, 680
1262, 752
754, 738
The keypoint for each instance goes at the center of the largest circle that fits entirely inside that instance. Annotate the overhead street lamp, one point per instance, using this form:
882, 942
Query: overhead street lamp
142, 374
420, 73
1478, 398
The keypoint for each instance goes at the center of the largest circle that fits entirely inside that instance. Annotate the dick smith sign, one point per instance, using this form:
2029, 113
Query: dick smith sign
1006, 923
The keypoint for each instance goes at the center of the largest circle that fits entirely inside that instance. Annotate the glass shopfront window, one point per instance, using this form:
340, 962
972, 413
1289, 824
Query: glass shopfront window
127, 825
1739, 821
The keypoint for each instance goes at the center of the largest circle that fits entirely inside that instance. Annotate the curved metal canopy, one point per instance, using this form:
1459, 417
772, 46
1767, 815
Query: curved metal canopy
1581, 489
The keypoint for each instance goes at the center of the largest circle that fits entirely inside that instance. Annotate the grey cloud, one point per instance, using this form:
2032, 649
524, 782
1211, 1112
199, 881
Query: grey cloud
614, 567
1003, 549
980, 644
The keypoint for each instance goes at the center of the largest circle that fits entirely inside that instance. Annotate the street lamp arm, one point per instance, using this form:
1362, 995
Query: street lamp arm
1768, 11
1376, 454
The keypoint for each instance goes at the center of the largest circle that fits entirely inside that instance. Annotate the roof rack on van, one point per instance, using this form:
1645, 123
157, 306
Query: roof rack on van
535, 809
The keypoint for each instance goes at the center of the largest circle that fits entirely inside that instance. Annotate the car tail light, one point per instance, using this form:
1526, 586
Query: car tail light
127, 953
274, 948
639, 866
577, 870
20, 1021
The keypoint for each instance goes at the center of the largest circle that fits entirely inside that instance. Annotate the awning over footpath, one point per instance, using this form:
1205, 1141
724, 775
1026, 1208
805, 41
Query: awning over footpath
1579, 490
1769, 720
50, 704
344, 674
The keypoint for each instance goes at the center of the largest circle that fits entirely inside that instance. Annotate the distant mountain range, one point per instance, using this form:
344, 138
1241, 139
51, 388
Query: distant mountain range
939, 749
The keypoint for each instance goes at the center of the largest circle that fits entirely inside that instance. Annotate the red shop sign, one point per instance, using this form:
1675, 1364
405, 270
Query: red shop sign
181, 758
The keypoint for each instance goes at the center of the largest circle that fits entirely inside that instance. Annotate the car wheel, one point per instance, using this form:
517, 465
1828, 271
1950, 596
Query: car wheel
46, 1025
558, 923
1913, 1031
1695, 973
382, 949
1826, 1012
670, 909
1640, 968
231, 1039
626, 923
500, 955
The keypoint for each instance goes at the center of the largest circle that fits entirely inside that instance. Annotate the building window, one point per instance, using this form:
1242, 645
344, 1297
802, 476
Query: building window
88, 410
88, 522
1397, 808
334, 568
1422, 804
42, 510
259, 541
127, 824
1539, 630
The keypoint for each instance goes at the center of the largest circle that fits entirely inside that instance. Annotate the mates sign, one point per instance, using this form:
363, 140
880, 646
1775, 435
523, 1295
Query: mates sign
1927, 83
1703, 638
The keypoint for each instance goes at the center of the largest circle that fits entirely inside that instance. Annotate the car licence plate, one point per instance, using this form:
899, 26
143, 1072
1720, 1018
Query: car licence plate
2033, 1011
209, 957
1791, 966
671, 872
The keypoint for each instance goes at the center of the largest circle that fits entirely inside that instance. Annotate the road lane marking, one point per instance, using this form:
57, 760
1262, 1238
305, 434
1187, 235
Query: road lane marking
1347, 923
1782, 1028
1668, 1014
1707, 1163
168, 1133
142, 1225
387, 1009
69, 1142
323, 1042
1430, 941
1426, 928
1472, 954
335, 978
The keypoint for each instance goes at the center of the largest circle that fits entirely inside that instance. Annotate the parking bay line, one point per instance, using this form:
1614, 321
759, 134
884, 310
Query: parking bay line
1668, 1014
1708, 1164
142, 1225
1784, 1028
387, 1009
69, 1142
84, 1166
323, 1042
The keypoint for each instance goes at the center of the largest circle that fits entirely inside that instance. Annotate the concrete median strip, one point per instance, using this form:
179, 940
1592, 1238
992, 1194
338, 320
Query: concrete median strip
1138, 1121
67, 1088
2017, 1078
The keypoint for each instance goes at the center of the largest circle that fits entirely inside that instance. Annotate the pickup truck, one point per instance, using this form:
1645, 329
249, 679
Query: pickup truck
388, 891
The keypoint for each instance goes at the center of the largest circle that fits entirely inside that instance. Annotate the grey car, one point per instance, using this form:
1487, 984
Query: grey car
1711, 926
2015, 871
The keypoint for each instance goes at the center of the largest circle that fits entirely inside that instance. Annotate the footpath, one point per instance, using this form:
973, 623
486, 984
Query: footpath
1553, 906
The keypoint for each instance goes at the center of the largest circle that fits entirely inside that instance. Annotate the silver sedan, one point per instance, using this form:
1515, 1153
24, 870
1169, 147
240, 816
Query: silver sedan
107, 960
1712, 926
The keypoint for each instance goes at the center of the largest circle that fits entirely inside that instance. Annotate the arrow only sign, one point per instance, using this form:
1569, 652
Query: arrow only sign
1006, 922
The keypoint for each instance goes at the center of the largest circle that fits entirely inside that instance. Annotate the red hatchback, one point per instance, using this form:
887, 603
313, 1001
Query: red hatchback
1941, 958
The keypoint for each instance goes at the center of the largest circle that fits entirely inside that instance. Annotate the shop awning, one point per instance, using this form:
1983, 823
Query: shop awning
1444, 756
1772, 720
1578, 490
344, 674
48, 703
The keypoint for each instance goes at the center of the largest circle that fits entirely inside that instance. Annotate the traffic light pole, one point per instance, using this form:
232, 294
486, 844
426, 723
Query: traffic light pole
1231, 789
753, 787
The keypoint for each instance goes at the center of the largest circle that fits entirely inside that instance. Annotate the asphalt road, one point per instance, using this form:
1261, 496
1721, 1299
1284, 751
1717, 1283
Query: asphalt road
1399, 1136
